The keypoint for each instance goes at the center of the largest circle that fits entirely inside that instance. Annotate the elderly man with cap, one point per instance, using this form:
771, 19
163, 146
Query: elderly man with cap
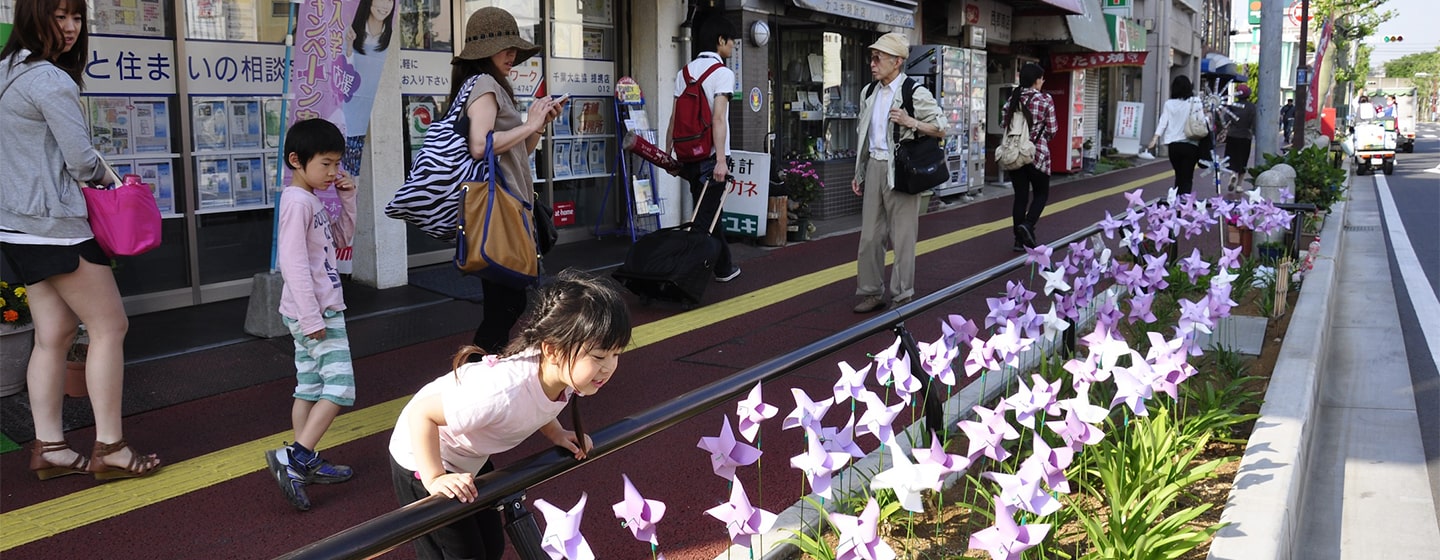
1240, 133
888, 214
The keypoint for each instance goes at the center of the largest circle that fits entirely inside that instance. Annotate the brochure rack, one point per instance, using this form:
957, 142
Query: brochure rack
635, 177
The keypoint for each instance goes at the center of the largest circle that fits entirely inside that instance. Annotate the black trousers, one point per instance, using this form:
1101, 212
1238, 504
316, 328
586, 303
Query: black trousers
1032, 191
1183, 157
698, 174
1238, 150
502, 308
478, 537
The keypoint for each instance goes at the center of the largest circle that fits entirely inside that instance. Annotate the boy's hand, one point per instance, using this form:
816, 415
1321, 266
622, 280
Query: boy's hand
317, 335
459, 486
344, 181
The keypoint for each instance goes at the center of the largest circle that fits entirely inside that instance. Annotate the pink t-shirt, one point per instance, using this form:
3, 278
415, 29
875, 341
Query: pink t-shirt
493, 406
305, 255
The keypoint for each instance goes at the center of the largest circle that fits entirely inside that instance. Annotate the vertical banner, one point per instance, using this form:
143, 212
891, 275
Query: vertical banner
1127, 126
340, 50
747, 201
1320, 75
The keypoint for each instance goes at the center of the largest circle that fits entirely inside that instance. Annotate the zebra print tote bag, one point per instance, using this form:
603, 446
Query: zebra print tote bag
430, 199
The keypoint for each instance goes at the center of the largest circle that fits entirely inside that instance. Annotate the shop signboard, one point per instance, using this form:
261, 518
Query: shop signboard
581, 77
1129, 116
747, 201
995, 18
863, 10
1120, 8
428, 73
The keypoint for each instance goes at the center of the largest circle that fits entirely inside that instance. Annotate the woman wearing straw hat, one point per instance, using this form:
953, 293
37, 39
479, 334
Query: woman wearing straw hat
493, 46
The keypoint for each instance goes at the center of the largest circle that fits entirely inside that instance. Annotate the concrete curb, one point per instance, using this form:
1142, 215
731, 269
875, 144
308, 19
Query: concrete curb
1263, 508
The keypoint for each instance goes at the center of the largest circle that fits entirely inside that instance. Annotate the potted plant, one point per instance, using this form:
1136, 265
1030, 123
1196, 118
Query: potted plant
75, 364
16, 338
803, 187
1316, 180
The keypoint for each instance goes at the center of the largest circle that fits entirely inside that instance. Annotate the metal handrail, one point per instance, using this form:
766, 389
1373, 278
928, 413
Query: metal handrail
507, 484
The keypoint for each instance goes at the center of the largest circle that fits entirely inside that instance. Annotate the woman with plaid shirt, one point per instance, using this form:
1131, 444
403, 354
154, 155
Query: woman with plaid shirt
1032, 182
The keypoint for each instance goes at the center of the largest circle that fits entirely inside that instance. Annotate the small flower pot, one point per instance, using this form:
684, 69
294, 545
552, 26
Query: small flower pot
15, 345
1241, 236
75, 380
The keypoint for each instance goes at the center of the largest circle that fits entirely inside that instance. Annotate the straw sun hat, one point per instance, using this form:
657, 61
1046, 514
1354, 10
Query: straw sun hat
491, 30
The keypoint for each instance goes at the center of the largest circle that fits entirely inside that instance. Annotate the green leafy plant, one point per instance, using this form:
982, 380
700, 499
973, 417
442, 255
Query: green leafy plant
802, 184
809, 540
1317, 181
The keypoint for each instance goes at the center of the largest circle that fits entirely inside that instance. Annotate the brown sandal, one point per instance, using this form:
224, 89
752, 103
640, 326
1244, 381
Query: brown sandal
140, 465
46, 470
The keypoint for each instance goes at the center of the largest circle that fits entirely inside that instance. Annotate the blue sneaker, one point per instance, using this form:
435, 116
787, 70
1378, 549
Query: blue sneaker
291, 481
329, 473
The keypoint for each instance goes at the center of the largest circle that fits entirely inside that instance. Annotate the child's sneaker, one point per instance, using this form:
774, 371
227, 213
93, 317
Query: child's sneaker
329, 473
291, 481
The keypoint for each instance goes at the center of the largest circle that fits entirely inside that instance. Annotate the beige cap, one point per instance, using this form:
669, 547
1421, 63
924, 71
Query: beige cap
894, 44
491, 30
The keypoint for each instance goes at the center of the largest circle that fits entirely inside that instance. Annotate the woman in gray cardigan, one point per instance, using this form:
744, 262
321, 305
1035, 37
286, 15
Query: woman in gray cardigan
46, 238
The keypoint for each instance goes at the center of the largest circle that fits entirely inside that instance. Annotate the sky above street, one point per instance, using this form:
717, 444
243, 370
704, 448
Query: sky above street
1412, 17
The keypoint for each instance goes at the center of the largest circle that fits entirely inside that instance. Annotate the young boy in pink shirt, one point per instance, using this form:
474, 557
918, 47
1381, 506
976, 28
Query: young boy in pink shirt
312, 304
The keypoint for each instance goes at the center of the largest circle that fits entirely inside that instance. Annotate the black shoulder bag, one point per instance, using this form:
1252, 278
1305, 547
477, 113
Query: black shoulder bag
920, 161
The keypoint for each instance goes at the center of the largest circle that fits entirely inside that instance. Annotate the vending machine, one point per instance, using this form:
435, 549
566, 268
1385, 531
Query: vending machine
1067, 89
957, 78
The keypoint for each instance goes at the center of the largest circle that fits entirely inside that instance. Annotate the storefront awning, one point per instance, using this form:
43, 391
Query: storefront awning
865, 10
1047, 7
1086, 31
1069, 62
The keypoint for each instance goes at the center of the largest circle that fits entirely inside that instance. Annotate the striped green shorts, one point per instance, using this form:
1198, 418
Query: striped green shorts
322, 367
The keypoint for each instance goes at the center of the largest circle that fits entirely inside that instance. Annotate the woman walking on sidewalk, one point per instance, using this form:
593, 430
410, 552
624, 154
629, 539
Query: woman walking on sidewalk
1032, 182
46, 237
1184, 152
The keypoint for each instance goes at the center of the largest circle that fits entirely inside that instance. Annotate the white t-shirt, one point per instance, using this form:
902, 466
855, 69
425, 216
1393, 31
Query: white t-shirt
493, 406
1171, 128
722, 80
884, 99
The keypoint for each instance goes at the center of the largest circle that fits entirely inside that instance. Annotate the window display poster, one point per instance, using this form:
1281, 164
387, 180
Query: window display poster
595, 11
214, 182
160, 175
596, 156
210, 123
424, 24
644, 197
248, 178
273, 120
593, 44
246, 123
562, 122
579, 157
128, 17
150, 126
561, 161
586, 116
110, 124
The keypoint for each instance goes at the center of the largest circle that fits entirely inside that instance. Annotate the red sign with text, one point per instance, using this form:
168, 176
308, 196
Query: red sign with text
564, 213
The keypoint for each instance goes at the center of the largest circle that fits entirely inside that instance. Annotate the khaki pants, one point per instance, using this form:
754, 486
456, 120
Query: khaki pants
886, 215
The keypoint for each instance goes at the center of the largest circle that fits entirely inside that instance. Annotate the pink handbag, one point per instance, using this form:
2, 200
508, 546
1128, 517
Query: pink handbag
125, 219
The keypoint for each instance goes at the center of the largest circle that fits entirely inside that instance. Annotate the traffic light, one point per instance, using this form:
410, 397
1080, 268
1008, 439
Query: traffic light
1394, 38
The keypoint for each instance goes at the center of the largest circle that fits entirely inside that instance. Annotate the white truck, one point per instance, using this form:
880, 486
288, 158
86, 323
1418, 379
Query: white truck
1405, 112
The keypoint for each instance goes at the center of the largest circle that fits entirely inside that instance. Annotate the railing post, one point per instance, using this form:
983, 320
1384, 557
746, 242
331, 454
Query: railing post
520, 526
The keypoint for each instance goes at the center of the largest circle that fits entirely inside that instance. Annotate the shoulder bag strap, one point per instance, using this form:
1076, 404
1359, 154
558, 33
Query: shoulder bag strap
907, 102
6, 87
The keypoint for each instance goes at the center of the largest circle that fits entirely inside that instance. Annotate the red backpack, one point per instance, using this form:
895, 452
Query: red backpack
692, 129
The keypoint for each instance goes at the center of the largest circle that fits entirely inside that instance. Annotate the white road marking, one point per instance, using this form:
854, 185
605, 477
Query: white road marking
1427, 308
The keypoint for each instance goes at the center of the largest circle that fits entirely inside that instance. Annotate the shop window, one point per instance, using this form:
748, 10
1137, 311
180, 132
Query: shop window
138, 18
821, 74
236, 20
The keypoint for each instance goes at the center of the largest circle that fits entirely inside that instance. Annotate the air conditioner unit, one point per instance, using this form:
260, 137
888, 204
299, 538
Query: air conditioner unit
972, 36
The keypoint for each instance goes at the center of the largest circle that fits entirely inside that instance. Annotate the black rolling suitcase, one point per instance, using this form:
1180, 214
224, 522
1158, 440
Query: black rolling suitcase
677, 263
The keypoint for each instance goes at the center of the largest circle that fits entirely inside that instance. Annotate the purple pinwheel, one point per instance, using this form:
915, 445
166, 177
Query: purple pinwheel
908, 480
842, 439
988, 433
807, 413
726, 453
906, 384
1052, 323
936, 455
1229, 258
1027, 400
1023, 490
1194, 316
858, 537
1133, 385
562, 538
1017, 292
1078, 428
1040, 255
1008, 344
980, 358
1110, 225
1050, 464
937, 360
877, 418
638, 514
1130, 277
1155, 271
741, 519
1001, 309
1108, 314
1140, 307
851, 382
1131, 240
751, 411
1194, 265
818, 463
1084, 372
1104, 348
1135, 198
1006, 540
889, 360
1030, 322
958, 330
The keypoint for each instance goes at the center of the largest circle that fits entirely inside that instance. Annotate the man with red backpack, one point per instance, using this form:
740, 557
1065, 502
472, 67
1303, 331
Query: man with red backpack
699, 132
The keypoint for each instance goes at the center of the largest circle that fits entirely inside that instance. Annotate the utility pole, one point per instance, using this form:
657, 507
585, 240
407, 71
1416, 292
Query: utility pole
1267, 137
1302, 80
